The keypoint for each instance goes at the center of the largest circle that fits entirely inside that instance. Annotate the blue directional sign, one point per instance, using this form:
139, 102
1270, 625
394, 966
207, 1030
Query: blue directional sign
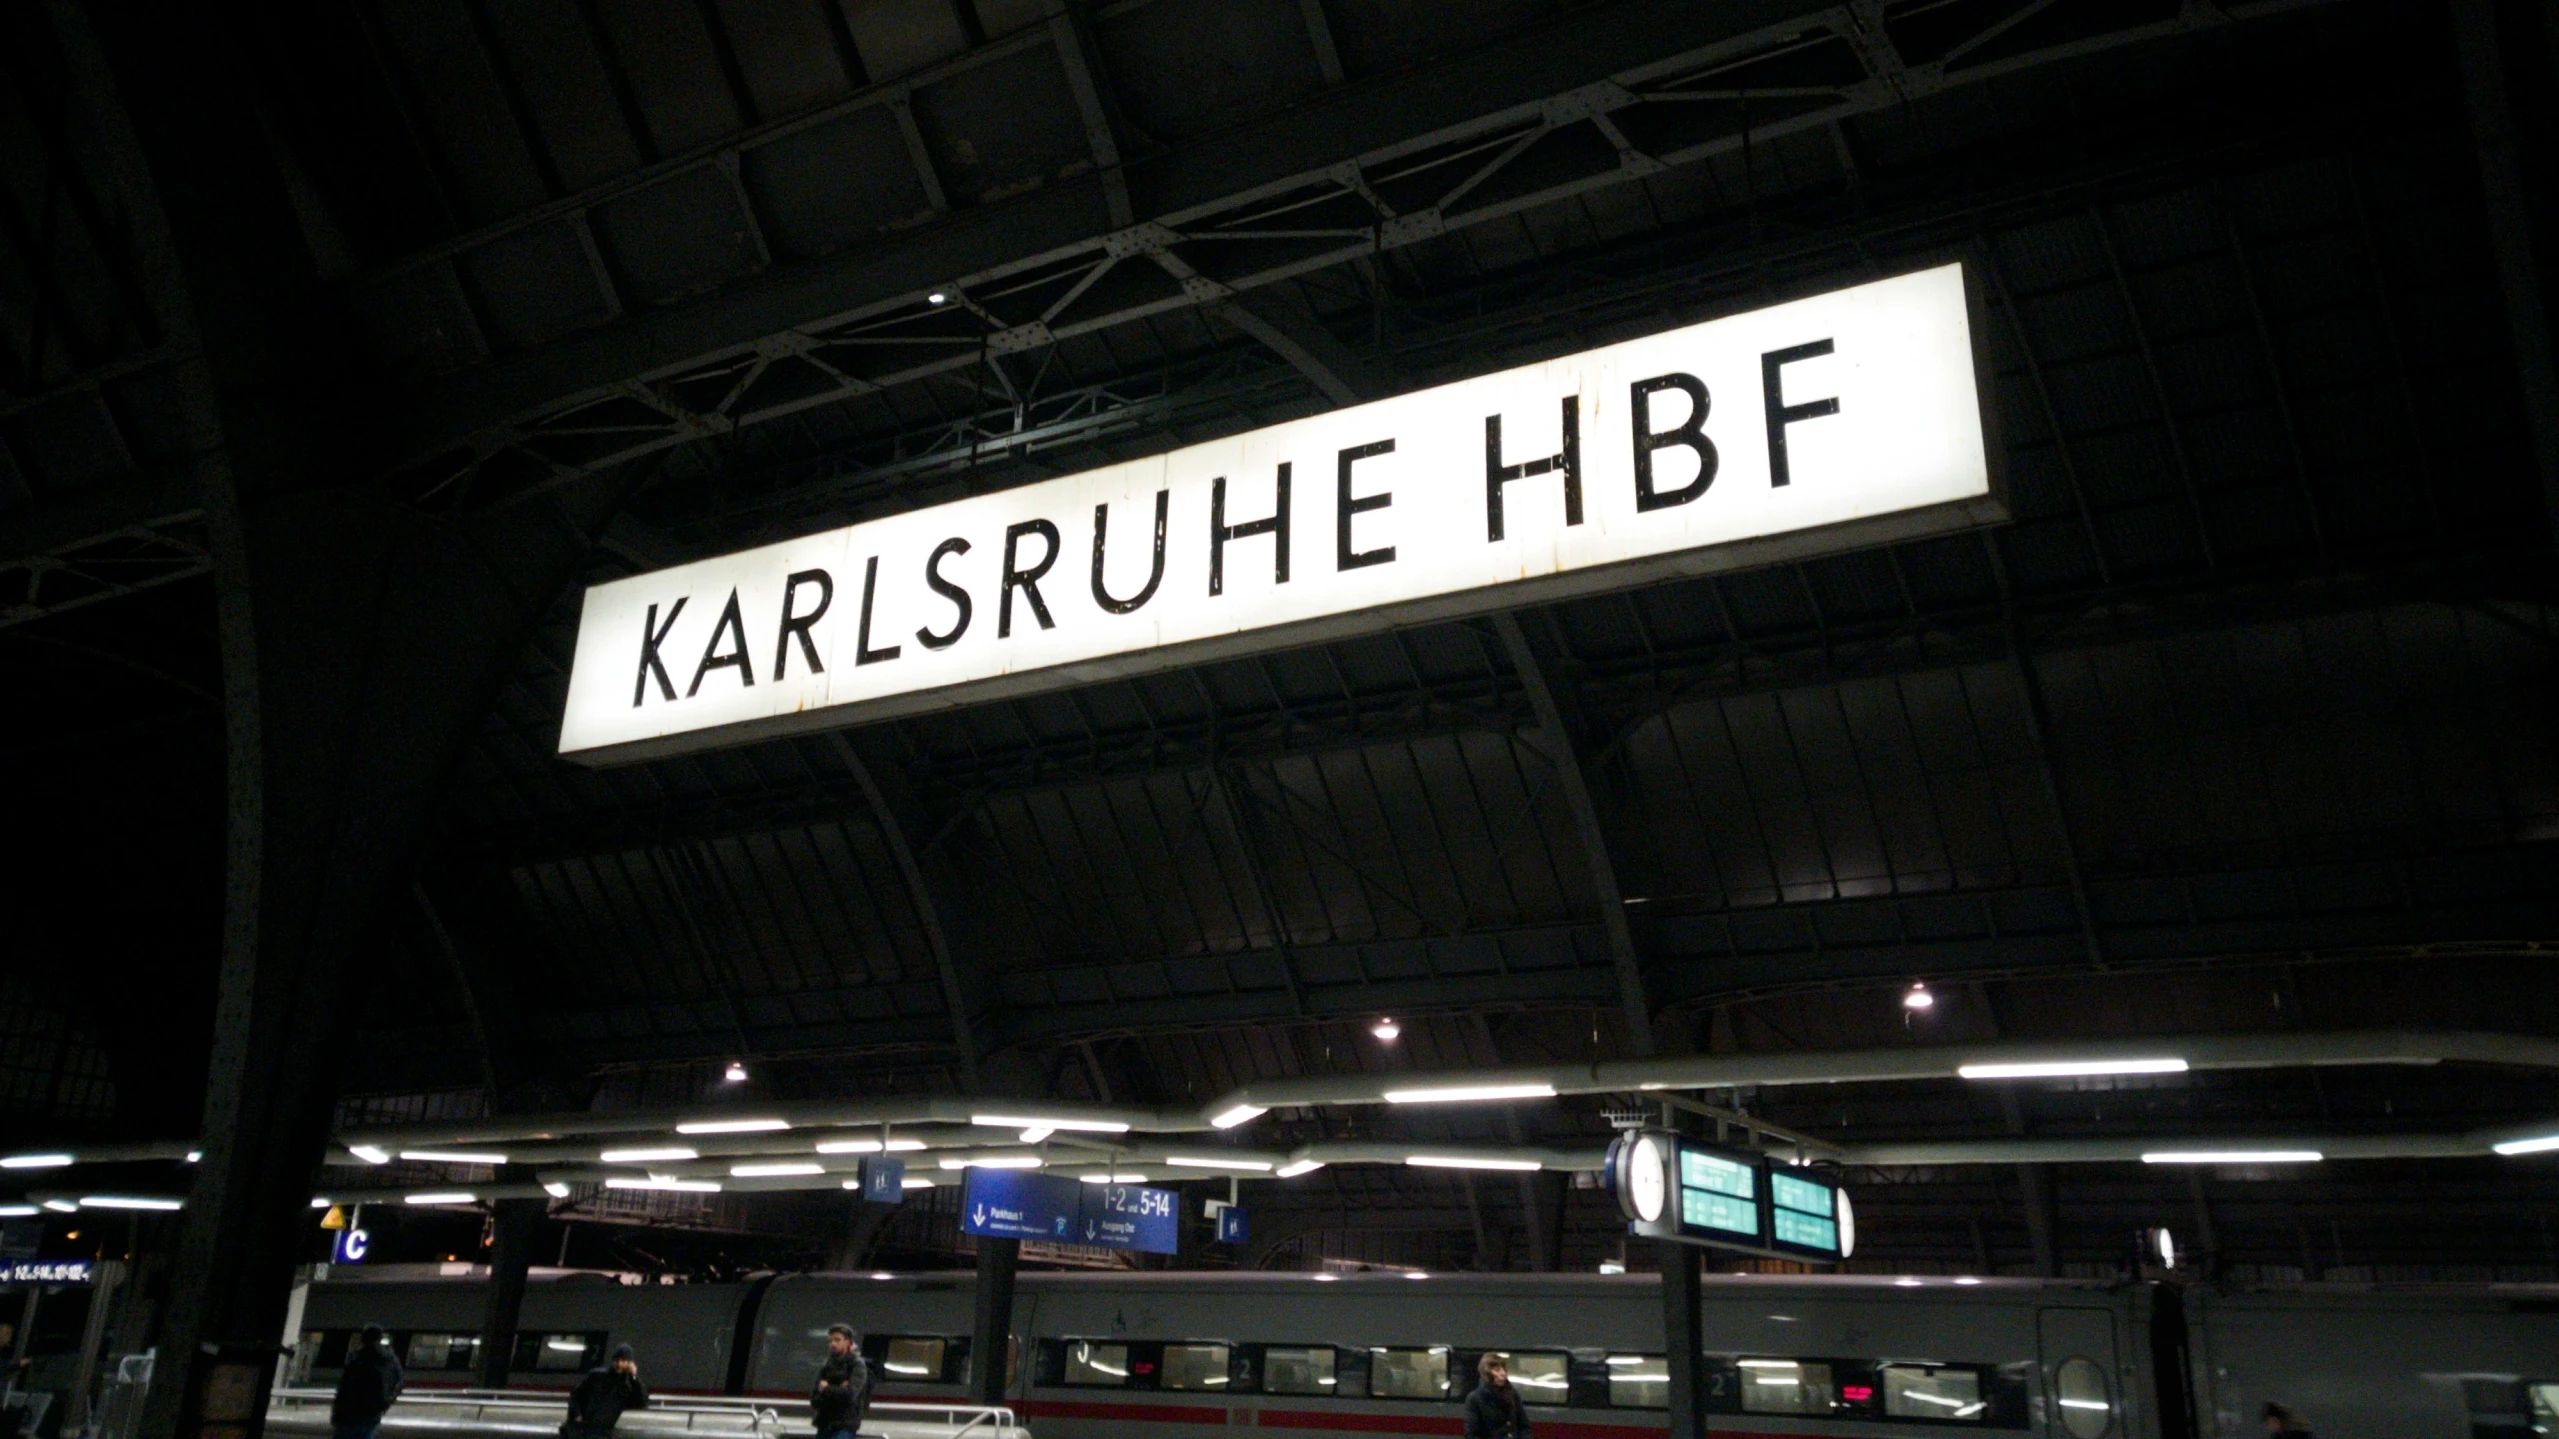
1231, 1228
1128, 1216
1015, 1204
350, 1247
47, 1271
884, 1180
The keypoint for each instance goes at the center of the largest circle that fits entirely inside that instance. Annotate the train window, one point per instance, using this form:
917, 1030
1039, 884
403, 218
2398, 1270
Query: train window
1408, 1373
1096, 1366
1539, 1378
2545, 1408
1298, 1371
1786, 1386
429, 1351
1638, 1381
1924, 1391
1196, 1366
2087, 1404
558, 1353
913, 1358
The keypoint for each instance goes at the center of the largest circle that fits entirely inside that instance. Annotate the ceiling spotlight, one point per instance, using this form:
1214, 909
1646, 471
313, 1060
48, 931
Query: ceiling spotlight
1386, 1028
938, 298
736, 1073
1918, 997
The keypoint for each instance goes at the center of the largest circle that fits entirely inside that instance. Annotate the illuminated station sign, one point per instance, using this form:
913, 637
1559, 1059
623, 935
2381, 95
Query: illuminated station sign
1844, 419
1669, 1186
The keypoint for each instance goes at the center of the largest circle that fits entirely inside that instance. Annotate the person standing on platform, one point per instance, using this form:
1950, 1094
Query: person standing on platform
597, 1404
367, 1384
1495, 1410
843, 1388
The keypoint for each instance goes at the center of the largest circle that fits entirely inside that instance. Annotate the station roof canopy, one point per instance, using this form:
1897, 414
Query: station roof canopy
2240, 727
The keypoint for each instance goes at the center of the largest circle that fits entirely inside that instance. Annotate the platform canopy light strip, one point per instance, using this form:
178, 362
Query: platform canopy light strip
1821, 424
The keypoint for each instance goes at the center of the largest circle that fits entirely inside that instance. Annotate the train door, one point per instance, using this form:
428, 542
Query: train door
2083, 1374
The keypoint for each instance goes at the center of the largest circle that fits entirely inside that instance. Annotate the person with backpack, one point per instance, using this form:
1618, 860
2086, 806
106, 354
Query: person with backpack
367, 1384
843, 1388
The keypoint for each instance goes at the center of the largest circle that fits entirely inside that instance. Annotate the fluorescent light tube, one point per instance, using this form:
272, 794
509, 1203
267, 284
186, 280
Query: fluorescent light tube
1202, 1161
1238, 1114
452, 1156
2067, 1068
129, 1201
996, 1161
1460, 1093
370, 1153
647, 1156
1455, 1161
1114, 1178
1034, 1121
773, 1171
319, 1201
671, 1186
62, 1206
555, 1189
731, 1126
18, 1211
1036, 1134
911, 1182
2541, 1145
869, 1146
457, 1197
35, 1161
1296, 1167
2232, 1156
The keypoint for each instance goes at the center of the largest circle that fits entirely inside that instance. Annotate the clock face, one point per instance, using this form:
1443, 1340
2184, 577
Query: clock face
1847, 1225
1648, 1178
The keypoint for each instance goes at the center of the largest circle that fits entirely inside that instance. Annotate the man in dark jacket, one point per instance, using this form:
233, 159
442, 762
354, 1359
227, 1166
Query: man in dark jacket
596, 1405
843, 1388
1494, 1410
367, 1384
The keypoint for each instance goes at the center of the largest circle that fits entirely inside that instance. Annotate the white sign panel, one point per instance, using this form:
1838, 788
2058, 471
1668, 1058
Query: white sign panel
1817, 425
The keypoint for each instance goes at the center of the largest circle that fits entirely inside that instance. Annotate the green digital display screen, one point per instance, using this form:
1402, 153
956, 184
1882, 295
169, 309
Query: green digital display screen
1716, 1174
1718, 1194
1805, 1213
1704, 1209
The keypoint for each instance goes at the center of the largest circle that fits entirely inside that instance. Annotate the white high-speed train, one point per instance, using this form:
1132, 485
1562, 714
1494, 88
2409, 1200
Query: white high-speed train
1180, 1356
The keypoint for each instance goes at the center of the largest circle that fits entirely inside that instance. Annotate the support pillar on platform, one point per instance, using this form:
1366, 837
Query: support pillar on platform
510, 1262
1683, 1335
991, 1341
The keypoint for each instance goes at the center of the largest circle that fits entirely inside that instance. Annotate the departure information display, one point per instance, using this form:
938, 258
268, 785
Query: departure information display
1719, 1195
1804, 1214
1669, 1186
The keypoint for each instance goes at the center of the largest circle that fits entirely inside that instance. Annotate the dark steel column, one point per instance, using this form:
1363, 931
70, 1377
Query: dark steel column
509, 1260
1684, 1338
990, 1342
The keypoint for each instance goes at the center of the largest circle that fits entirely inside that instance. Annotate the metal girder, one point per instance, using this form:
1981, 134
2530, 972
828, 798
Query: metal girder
1564, 754
122, 561
1322, 185
928, 911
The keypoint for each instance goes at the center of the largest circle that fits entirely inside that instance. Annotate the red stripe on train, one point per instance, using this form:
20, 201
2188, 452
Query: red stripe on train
1146, 1413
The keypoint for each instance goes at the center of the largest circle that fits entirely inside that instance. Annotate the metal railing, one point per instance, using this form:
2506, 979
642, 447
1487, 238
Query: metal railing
519, 1412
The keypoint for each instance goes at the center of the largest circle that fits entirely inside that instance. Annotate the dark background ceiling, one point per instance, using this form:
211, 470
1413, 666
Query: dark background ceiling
2243, 724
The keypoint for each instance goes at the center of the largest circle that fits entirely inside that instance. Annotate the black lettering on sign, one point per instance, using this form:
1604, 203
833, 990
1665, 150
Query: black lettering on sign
1219, 532
800, 624
863, 654
1690, 432
1568, 460
735, 628
652, 636
1345, 557
1780, 414
1027, 581
1154, 577
958, 597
